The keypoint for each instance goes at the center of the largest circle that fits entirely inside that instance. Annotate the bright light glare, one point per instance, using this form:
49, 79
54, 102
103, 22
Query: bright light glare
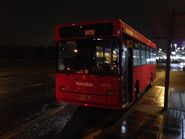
173, 53
75, 50
124, 127
183, 57
99, 39
182, 65
114, 52
164, 57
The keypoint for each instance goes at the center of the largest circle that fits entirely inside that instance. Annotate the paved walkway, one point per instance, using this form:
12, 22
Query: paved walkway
146, 120
174, 126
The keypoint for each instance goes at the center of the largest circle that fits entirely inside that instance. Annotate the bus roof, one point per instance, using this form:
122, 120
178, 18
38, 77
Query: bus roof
135, 34
123, 27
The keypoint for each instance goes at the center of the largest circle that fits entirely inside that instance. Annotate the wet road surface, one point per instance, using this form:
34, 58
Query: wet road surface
25, 93
88, 121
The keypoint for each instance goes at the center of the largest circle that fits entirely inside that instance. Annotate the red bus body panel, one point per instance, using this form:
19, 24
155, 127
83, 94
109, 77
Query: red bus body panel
89, 90
144, 74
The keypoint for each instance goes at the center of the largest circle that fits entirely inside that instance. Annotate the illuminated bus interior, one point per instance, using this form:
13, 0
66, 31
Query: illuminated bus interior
89, 56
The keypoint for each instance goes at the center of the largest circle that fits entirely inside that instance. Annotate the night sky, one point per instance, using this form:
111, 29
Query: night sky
28, 22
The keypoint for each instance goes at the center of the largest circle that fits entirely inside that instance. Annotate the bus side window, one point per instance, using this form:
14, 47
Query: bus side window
99, 55
147, 55
108, 55
115, 56
136, 55
143, 56
151, 56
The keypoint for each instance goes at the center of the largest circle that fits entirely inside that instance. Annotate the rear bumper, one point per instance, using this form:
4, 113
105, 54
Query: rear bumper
99, 101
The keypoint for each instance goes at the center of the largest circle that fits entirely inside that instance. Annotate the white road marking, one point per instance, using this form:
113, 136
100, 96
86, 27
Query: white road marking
20, 88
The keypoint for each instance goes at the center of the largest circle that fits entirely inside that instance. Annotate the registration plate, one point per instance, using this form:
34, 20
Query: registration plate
84, 97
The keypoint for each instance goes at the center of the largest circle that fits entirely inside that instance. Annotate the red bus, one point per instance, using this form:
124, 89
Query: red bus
105, 64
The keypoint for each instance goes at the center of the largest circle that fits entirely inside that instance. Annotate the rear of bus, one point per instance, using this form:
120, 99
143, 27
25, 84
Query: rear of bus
88, 70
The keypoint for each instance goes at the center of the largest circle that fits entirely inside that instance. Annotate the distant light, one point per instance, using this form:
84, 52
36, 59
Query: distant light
173, 53
75, 50
99, 39
182, 65
183, 57
148, 60
175, 44
164, 57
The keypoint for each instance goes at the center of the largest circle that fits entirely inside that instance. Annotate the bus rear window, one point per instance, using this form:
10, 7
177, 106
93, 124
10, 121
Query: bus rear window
97, 56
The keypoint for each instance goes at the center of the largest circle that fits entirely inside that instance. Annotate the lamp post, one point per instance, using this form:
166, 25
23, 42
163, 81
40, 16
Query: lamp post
167, 75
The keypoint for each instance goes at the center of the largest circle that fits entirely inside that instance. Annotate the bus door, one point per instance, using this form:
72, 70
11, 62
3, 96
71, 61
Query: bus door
130, 44
126, 73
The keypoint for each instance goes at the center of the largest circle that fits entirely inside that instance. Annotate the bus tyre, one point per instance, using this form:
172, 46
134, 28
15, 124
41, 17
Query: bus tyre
136, 90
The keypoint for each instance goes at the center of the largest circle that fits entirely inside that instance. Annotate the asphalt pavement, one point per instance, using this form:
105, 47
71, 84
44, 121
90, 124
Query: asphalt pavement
25, 93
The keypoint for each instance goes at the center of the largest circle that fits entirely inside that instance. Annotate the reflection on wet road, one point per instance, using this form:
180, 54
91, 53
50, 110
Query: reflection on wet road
143, 120
177, 99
